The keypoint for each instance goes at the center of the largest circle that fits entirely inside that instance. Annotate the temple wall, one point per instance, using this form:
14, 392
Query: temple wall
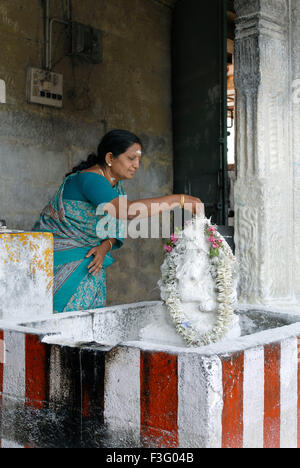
130, 89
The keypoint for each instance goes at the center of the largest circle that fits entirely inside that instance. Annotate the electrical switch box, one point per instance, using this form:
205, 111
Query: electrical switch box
86, 43
44, 87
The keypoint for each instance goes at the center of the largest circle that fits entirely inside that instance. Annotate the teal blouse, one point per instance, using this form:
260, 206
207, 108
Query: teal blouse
89, 187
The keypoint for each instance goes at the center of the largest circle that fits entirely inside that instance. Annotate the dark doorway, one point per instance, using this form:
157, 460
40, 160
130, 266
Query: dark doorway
200, 60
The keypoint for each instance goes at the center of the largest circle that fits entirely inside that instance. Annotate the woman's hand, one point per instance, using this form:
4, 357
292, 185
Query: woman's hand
194, 205
99, 253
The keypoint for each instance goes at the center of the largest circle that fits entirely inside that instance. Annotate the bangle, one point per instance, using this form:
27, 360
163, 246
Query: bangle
182, 201
111, 244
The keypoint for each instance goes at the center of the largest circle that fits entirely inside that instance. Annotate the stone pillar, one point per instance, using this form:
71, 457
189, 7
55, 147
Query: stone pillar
295, 40
264, 233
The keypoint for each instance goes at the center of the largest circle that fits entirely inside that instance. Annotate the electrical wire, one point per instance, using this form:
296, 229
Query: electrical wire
66, 8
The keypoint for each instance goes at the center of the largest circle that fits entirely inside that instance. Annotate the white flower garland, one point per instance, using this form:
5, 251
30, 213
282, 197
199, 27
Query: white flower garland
222, 270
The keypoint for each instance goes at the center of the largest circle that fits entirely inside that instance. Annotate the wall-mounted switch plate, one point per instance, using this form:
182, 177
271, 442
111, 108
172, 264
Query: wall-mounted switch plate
44, 87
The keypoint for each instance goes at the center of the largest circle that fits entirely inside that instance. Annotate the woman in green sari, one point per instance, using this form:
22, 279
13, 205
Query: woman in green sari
85, 219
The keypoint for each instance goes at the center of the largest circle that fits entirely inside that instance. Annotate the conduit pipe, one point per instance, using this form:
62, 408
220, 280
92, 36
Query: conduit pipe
52, 21
47, 26
49, 30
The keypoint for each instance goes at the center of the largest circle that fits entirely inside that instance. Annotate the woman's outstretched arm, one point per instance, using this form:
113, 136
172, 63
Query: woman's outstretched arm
122, 208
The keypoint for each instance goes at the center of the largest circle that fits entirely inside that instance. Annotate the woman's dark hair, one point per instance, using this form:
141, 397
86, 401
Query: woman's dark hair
116, 142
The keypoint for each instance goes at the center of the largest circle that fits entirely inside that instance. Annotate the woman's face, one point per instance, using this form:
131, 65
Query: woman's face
126, 164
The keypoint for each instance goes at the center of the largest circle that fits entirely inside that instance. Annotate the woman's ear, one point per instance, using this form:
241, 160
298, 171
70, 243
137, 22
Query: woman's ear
108, 159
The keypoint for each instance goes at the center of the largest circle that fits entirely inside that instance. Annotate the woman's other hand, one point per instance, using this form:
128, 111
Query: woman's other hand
99, 253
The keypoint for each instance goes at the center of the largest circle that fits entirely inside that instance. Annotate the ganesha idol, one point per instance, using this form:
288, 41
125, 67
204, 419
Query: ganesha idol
198, 289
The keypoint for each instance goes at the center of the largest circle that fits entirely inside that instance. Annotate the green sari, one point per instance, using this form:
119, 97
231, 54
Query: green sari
77, 226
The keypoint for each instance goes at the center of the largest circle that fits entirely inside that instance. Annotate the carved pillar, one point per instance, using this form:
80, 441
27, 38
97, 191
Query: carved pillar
263, 189
295, 42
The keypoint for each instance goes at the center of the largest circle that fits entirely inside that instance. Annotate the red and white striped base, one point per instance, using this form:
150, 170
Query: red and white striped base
248, 398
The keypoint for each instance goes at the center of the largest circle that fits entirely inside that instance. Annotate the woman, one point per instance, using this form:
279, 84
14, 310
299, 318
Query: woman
93, 187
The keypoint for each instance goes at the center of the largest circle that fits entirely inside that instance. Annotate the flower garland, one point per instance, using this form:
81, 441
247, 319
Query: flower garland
222, 264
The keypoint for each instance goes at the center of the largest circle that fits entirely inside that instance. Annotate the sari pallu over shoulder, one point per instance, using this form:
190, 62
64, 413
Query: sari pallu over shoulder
73, 224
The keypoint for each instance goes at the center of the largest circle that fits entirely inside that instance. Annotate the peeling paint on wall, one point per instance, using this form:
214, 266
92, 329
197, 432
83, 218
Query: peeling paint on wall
26, 275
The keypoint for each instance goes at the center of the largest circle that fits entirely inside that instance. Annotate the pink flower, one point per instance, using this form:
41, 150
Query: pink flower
215, 246
174, 238
168, 248
211, 239
212, 229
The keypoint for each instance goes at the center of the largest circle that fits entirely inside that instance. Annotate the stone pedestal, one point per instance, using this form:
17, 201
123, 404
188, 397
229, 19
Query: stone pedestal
264, 189
85, 380
26, 275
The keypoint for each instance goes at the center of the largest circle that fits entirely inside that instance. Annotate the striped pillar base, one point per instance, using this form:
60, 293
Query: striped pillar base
60, 396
